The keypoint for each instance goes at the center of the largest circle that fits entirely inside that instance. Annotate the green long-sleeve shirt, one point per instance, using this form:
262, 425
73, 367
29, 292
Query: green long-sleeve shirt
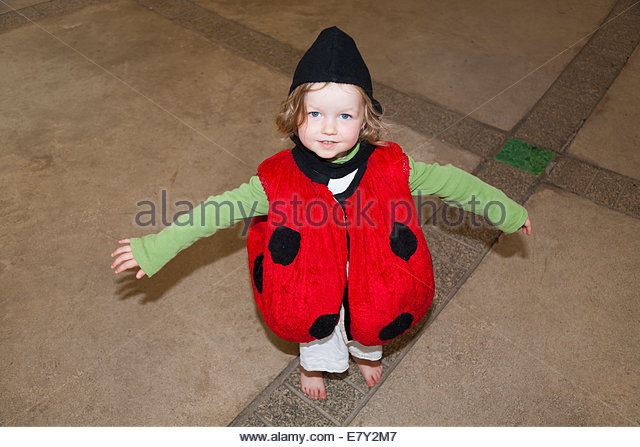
452, 185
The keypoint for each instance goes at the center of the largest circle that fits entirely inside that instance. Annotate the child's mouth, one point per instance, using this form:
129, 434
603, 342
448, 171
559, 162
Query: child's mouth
328, 144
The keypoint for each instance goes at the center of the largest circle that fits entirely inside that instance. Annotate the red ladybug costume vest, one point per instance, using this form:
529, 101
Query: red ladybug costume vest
298, 253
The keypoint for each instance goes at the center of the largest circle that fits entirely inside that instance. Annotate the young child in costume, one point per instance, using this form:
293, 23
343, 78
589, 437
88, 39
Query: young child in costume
338, 259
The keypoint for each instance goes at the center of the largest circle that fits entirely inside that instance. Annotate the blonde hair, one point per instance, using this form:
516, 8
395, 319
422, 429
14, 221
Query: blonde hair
293, 113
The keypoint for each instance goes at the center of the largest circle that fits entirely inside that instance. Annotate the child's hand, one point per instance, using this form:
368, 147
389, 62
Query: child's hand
126, 260
526, 228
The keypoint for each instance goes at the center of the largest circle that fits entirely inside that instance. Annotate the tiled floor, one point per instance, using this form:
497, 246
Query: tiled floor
105, 104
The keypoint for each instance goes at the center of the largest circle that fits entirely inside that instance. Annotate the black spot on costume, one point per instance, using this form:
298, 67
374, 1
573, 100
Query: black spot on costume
402, 240
284, 245
323, 326
396, 327
257, 272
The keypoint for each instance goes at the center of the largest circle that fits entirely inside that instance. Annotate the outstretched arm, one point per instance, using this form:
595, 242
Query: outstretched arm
457, 187
125, 260
153, 251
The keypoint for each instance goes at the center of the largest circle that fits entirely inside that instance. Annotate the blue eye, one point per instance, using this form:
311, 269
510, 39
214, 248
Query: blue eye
314, 114
345, 116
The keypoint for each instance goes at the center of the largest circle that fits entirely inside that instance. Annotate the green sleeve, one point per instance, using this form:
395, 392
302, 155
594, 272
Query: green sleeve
153, 251
459, 188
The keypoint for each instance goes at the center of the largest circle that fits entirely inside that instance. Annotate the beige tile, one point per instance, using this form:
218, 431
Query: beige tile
568, 295
610, 137
543, 333
460, 54
463, 373
199, 365
80, 149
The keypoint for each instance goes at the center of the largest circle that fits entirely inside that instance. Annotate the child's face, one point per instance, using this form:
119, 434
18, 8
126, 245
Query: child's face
335, 116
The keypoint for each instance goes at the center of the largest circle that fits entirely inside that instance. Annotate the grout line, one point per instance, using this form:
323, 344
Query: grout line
262, 419
591, 182
620, 194
353, 384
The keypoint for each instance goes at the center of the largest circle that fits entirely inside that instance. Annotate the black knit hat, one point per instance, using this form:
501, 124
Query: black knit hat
334, 57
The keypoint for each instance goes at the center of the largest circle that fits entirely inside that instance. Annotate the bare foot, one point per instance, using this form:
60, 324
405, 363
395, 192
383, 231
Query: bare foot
312, 384
371, 370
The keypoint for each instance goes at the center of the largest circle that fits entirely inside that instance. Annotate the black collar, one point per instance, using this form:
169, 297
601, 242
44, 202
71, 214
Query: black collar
320, 170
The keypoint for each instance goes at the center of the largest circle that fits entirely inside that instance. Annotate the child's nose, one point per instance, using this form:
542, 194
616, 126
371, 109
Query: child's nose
328, 126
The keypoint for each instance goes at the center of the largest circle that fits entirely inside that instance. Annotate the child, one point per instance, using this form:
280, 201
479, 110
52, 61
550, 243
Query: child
339, 262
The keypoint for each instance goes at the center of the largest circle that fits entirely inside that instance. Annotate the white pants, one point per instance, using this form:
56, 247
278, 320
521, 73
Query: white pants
331, 354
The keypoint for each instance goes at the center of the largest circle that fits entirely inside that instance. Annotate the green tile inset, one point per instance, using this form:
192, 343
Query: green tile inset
525, 156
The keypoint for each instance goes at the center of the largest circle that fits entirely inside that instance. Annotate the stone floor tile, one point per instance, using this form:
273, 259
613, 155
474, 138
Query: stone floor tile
473, 136
572, 174
342, 398
587, 79
487, 142
549, 296
450, 250
514, 182
462, 372
282, 57
462, 133
253, 421
532, 132
284, 408
397, 346
48, 9
415, 113
598, 54
630, 198
10, 20
606, 188
610, 137
31, 13
446, 276
558, 117
355, 377
469, 228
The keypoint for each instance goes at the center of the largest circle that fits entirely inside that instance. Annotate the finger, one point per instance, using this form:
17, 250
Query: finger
125, 259
123, 249
120, 259
140, 274
124, 241
127, 265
